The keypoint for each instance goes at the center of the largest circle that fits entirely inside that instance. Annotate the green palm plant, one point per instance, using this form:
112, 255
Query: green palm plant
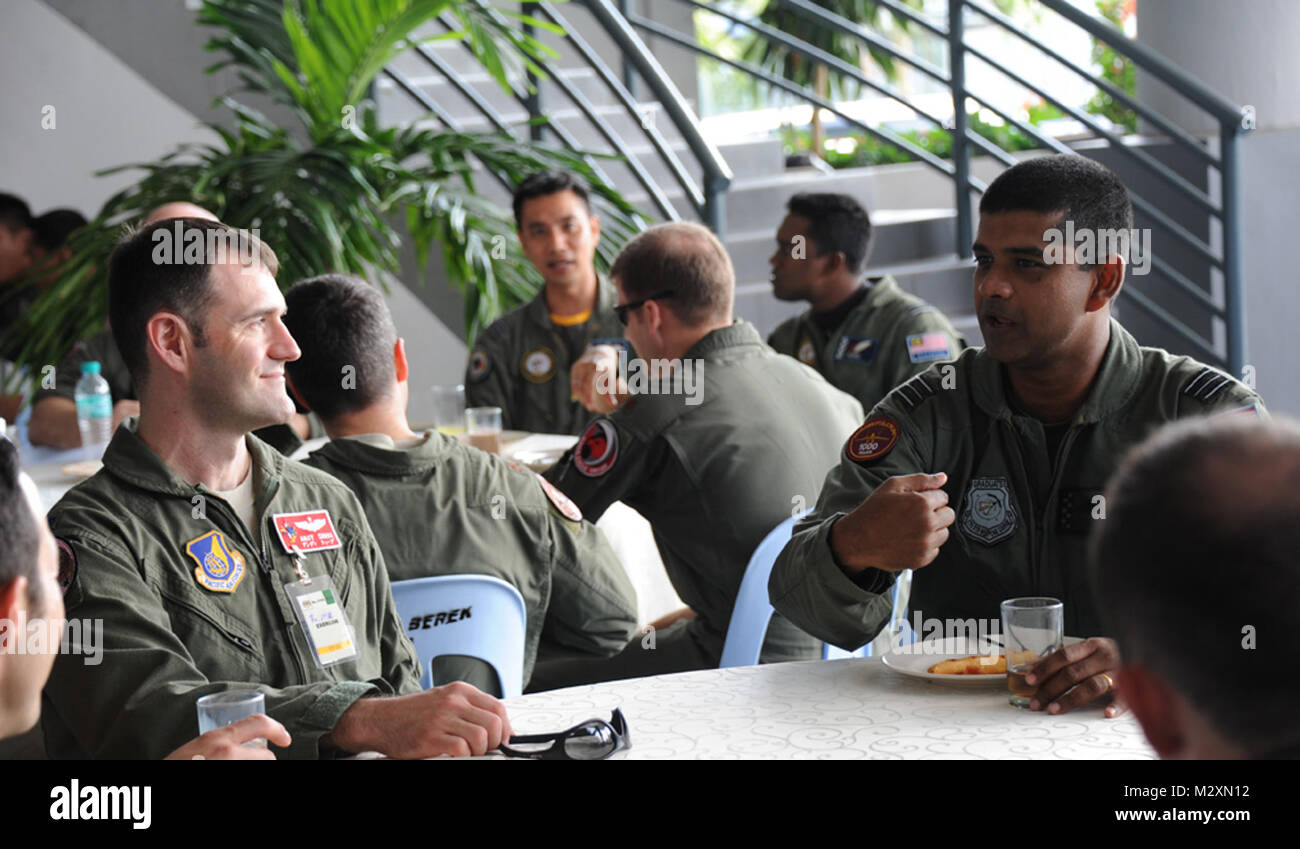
323, 193
814, 75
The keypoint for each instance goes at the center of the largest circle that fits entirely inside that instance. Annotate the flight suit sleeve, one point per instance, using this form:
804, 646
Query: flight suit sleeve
807, 586
593, 604
132, 695
489, 375
609, 463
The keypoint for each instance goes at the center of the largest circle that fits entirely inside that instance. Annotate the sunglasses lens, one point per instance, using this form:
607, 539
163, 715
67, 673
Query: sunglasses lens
592, 741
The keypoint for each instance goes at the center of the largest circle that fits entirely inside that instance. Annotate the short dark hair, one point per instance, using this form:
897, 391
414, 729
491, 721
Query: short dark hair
339, 320
54, 227
15, 215
839, 223
1085, 191
20, 551
1184, 561
548, 183
140, 285
684, 257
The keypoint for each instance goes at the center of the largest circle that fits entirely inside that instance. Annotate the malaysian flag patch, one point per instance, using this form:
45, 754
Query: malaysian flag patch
927, 347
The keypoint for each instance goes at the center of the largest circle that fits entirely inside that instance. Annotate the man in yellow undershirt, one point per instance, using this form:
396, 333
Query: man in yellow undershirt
521, 362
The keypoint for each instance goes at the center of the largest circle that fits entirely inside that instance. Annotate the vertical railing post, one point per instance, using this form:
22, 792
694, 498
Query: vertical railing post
960, 150
715, 205
629, 69
534, 104
1234, 297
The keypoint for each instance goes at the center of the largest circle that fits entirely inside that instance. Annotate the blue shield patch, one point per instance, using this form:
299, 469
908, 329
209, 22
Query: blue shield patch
221, 567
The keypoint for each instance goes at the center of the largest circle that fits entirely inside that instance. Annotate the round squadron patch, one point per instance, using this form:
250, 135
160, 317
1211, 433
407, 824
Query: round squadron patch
595, 453
988, 516
221, 567
478, 365
67, 564
562, 502
807, 353
538, 365
872, 441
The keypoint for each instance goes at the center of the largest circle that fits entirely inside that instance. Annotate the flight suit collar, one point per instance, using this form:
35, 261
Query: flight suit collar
373, 459
1115, 384
130, 459
886, 288
540, 314
739, 332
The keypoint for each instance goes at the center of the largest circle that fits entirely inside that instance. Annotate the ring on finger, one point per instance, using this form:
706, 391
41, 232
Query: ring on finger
1110, 682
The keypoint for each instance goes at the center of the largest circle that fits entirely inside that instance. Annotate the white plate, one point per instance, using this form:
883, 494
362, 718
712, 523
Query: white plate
916, 659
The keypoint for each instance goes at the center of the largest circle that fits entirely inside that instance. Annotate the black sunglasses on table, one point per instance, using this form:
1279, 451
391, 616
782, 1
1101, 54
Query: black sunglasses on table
622, 311
593, 740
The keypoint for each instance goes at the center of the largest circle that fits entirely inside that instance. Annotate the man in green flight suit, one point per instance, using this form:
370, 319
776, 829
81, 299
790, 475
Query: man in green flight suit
521, 362
989, 472
437, 507
864, 338
214, 562
721, 440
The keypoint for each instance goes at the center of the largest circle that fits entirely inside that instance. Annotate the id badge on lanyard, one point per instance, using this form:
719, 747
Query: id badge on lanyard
315, 600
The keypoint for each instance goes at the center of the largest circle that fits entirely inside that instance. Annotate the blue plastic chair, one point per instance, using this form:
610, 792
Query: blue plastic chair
753, 610
493, 631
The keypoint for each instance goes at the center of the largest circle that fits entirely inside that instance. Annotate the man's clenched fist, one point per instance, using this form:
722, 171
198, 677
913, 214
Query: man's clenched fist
900, 526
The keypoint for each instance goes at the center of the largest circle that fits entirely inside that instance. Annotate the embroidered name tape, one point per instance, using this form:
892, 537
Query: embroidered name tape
306, 532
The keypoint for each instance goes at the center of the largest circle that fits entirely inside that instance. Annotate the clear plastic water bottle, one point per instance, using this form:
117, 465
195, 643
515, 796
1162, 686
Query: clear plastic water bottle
94, 407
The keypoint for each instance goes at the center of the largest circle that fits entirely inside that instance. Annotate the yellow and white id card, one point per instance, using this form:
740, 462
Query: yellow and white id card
323, 620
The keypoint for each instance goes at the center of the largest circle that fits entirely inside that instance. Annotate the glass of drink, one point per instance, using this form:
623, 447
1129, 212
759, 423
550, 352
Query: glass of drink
484, 427
1032, 628
220, 709
449, 409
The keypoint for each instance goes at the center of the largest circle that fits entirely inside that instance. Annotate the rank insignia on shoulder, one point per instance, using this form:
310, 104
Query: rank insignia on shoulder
538, 365
807, 353
479, 366
1207, 383
305, 532
221, 567
855, 350
873, 440
988, 516
914, 391
927, 347
596, 451
563, 503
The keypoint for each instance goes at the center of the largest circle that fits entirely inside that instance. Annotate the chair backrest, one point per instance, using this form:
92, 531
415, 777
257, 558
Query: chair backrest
753, 610
471, 615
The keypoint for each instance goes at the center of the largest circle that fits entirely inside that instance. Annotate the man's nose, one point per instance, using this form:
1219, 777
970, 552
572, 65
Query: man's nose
992, 284
284, 348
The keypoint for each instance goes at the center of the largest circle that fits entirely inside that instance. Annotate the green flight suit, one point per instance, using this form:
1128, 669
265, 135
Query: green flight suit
442, 508
1023, 510
884, 339
712, 478
140, 534
521, 364
103, 349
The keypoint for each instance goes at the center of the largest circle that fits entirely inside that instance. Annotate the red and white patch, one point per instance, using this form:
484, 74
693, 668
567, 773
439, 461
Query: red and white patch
306, 532
872, 441
562, 502
595, 453
478, 365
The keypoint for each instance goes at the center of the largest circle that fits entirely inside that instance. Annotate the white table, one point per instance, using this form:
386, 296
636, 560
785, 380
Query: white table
830, 710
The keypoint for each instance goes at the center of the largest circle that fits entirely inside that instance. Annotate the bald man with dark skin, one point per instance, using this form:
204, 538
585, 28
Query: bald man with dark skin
1196, 569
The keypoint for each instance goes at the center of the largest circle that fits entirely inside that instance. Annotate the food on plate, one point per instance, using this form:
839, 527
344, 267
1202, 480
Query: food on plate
979, 664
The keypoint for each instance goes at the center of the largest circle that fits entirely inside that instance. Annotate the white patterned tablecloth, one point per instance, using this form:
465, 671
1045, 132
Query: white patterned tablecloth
840, 709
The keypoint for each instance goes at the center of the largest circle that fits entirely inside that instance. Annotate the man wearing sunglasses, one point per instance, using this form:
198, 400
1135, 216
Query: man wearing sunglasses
522, 361
713, 470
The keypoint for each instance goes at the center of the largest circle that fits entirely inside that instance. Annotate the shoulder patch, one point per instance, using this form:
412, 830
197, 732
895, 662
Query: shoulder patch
538, 365
563, 503
912, 393
1249, 410
1206, 383
597, 450
927, 347
807, 354
873, 440
67, 564
479, 365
